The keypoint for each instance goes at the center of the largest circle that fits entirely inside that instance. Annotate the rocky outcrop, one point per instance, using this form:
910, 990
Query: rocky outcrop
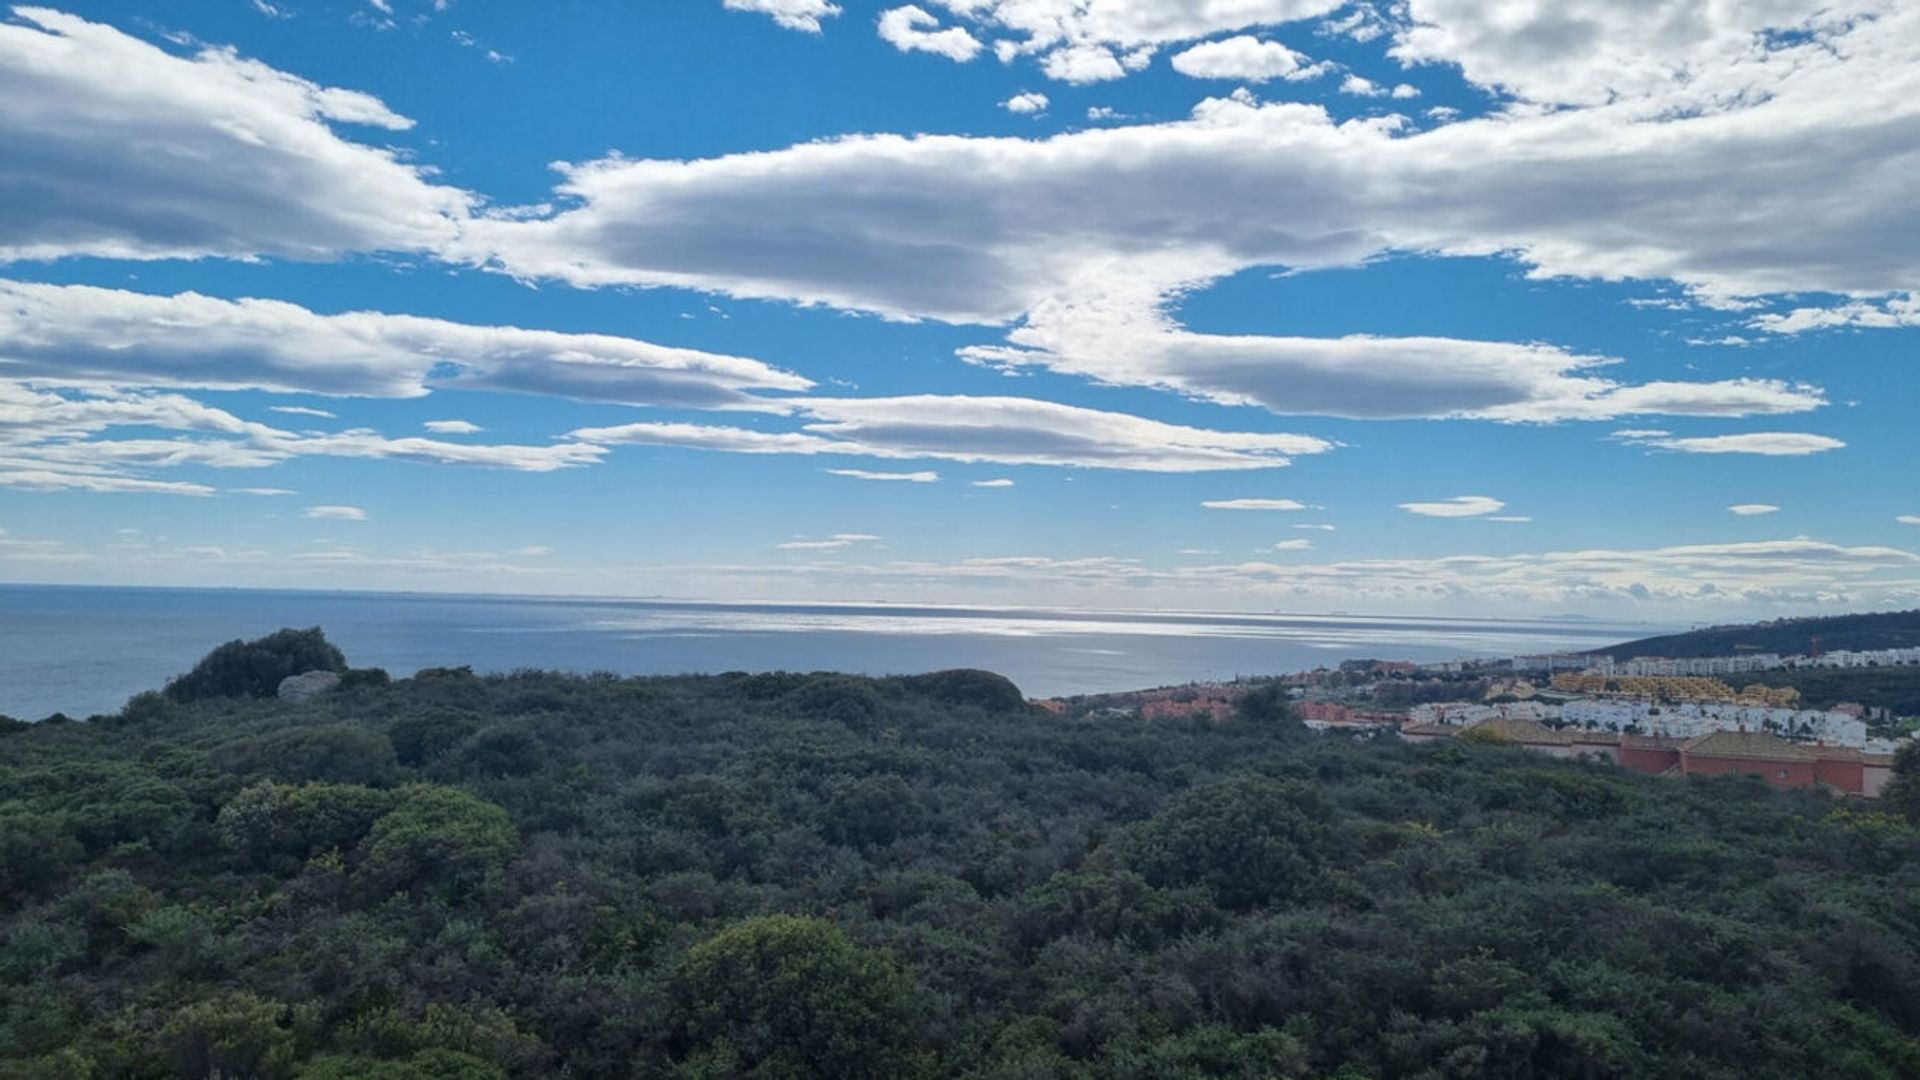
310, 685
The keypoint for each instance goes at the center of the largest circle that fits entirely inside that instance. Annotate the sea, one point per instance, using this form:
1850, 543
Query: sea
82, 650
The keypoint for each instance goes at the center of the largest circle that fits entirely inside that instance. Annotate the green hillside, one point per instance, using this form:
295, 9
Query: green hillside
1879, 630
817, 875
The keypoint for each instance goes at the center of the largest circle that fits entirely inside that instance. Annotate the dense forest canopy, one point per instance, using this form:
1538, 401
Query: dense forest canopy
817, 875
1788, 637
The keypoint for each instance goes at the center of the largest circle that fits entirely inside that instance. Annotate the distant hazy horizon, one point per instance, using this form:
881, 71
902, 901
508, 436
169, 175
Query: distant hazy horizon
85, 649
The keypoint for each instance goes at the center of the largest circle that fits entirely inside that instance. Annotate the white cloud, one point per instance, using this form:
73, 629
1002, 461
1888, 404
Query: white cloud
1671, 582
1106, 112
832, 543
1752, 509
1893, 312
1404, 91
1027, 103
1081, 64
1511, 519
1908, 519
291, 410
1124, 341
1315, 527
453, 427
114, 147
1007, 431
1361, 87
336, 513
1293, 545
1253, 504
904, 477
1000, 482
1244, 57
793, 14
1460, 506
76, 332
907, 28
1093, 40
1765, 443
1590, 52
997, 231
262, 491
50, 440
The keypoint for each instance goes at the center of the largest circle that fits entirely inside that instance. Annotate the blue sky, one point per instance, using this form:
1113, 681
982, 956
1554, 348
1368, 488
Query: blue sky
1444, 307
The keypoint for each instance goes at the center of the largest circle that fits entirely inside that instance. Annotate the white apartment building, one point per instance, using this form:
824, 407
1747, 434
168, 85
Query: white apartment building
1687, 719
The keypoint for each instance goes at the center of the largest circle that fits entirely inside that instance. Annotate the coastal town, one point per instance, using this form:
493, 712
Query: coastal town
1659, 715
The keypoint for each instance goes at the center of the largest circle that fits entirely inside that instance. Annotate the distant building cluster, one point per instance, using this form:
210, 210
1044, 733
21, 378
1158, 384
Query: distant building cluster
1698, 665
1673, 688
1780, 763
1333, 716
1467, 713
1683, 720
1750, 662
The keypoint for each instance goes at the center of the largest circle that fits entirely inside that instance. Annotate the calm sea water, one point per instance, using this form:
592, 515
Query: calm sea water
84, 650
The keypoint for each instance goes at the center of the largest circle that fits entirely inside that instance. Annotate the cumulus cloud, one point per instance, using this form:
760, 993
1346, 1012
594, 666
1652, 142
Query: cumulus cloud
1026, 103
336, 513
1591, 52
901, 477
914, 29
453, 427
996, 231
1765, 443
802, 15
1081, 64
114, 147
1363, 376
1253, 504
52, 440
999, 430
1752, 509
1893, 312
1293, 545
77, 332
1460, 506
1095, 40
1245, 57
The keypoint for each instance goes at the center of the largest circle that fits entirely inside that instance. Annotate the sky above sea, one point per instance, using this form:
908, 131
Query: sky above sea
1445, 308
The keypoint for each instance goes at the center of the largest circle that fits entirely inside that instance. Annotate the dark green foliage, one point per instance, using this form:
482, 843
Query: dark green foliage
364, 678
255, 668
968, 687
437, 835
1902, 794
337, 753
786, 997
1249, 841
1875, 630
424, 737
503, 751
787, 875
1895, 689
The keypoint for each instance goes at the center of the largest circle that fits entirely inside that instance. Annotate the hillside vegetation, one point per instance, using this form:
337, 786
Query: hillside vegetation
816, 875
1879, 630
